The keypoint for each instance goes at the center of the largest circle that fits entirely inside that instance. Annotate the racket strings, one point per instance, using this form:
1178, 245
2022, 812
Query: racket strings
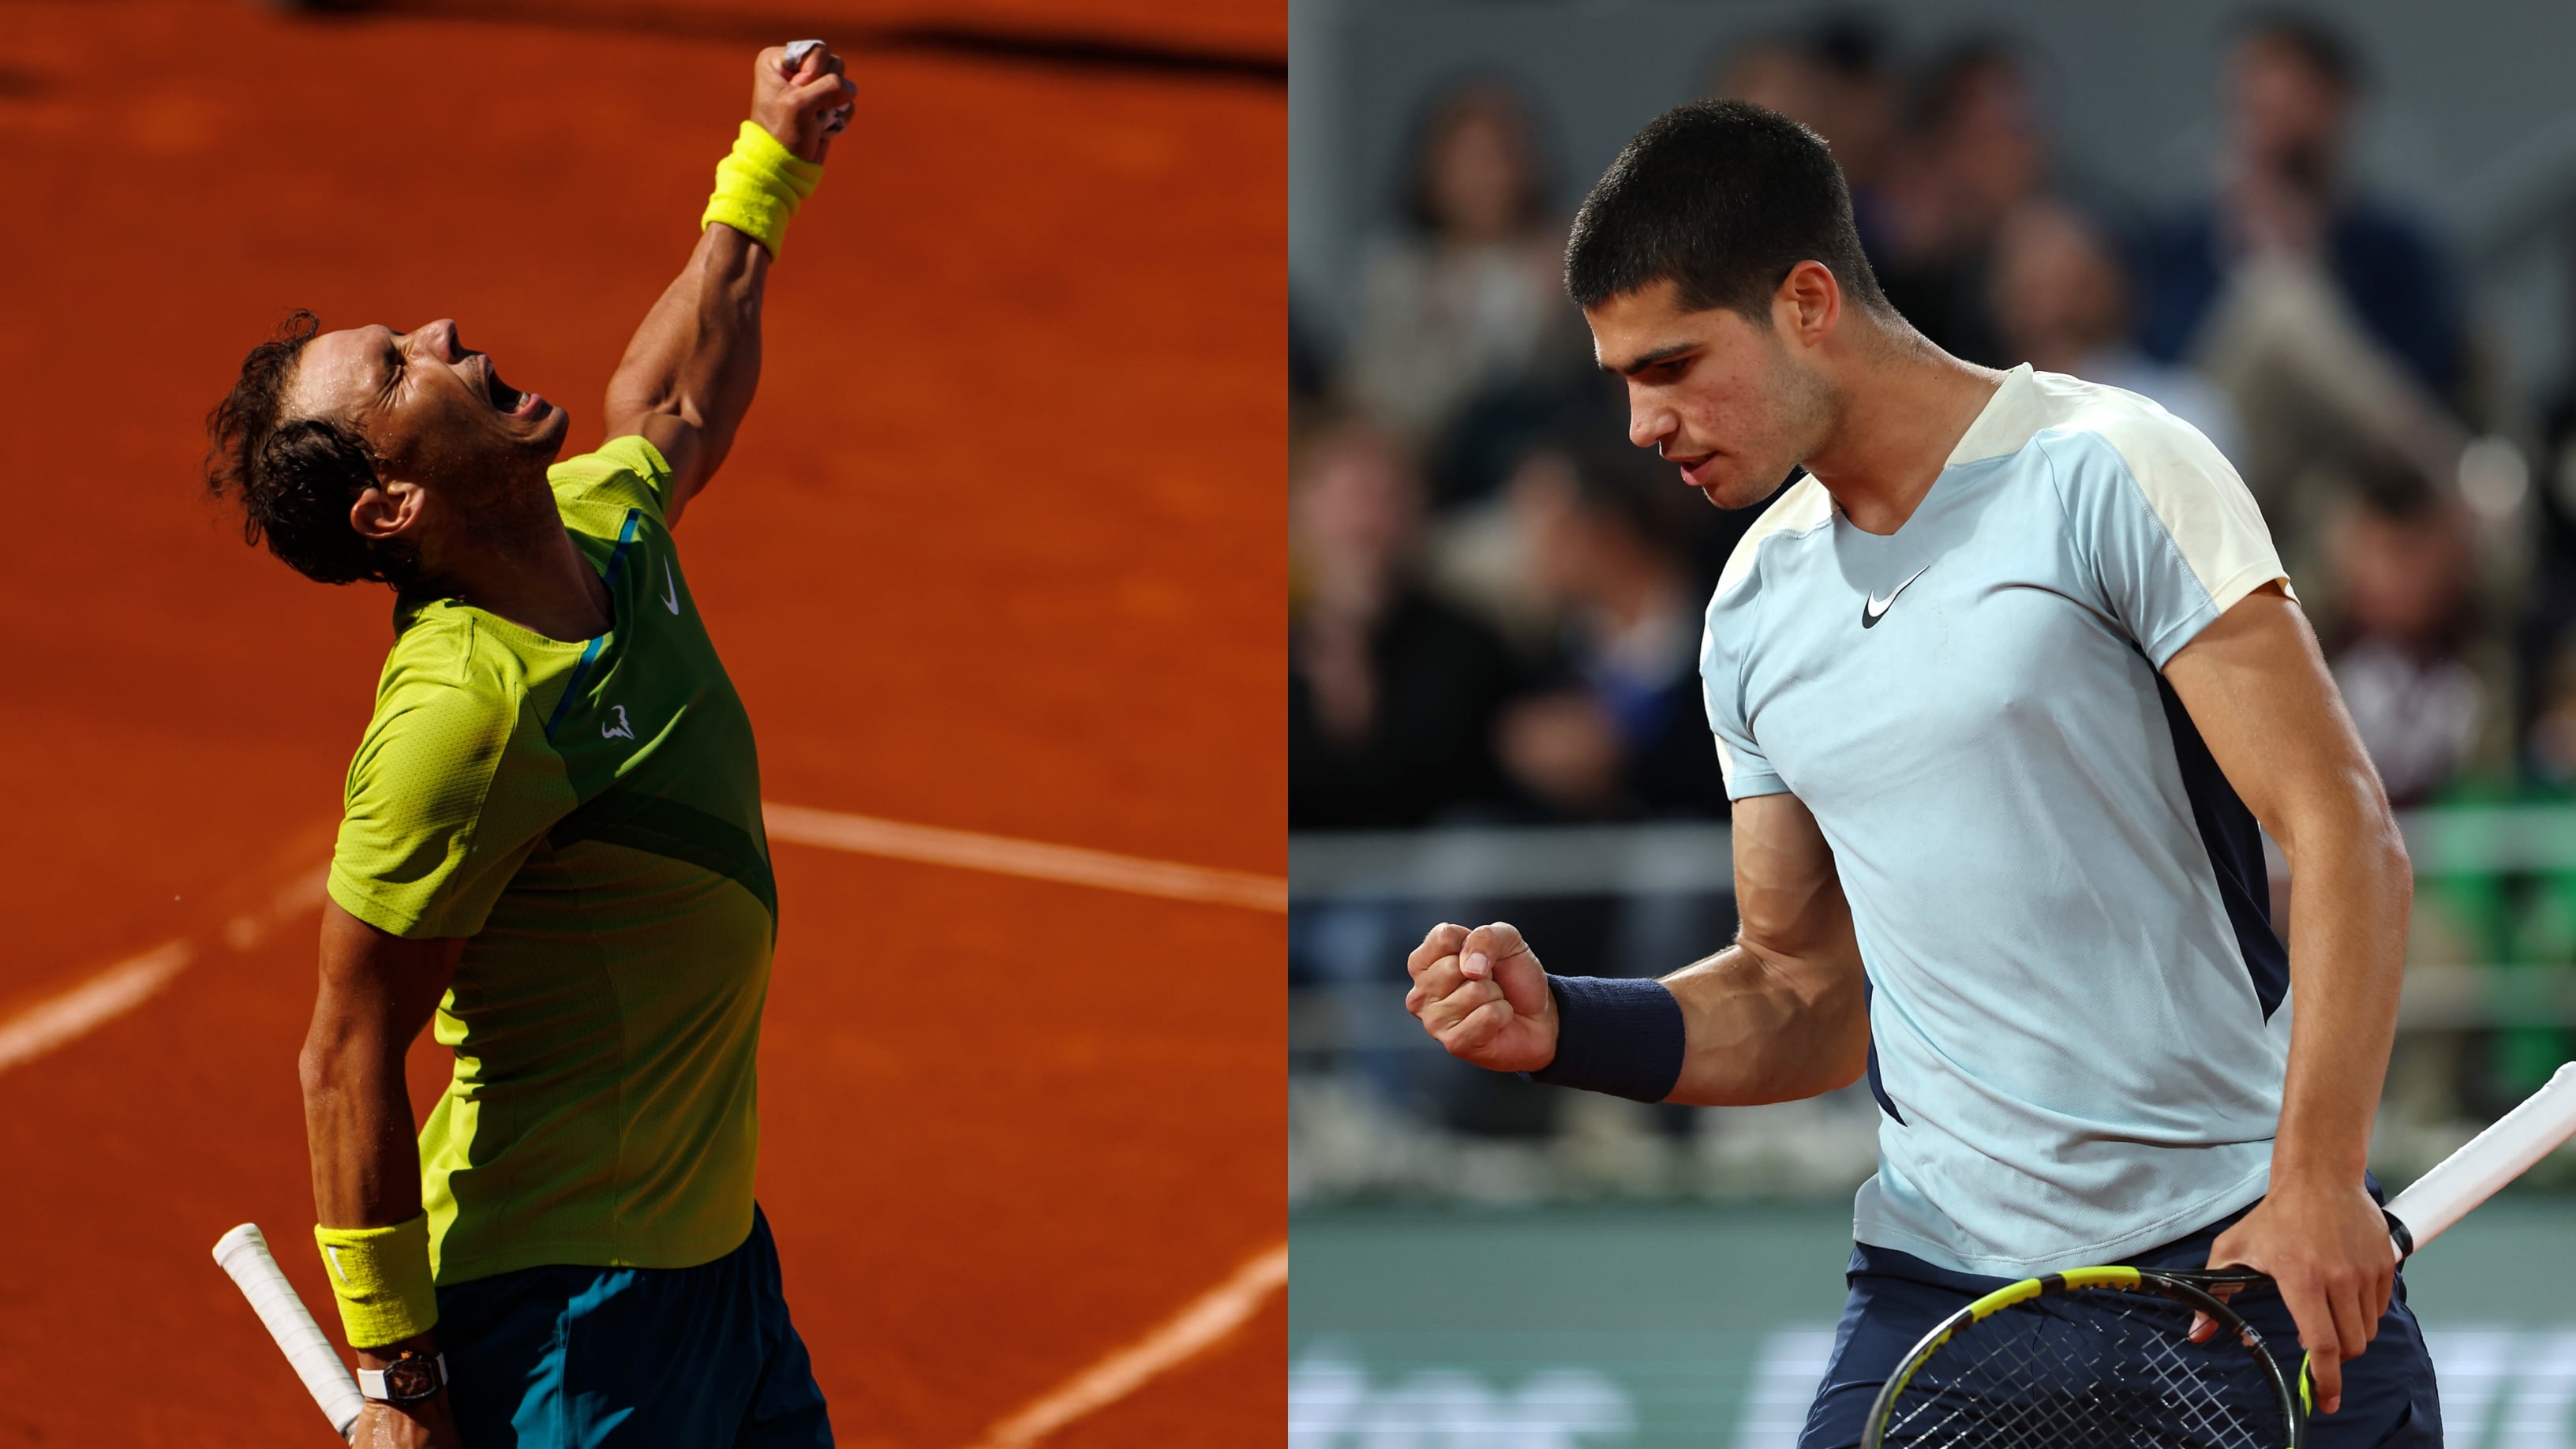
2100, 1367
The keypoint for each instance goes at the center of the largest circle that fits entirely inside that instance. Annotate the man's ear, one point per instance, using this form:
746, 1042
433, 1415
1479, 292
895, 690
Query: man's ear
388, 510
1808, 303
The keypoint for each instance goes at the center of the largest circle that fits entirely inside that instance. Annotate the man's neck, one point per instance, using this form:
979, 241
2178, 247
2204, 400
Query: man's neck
539, 582
1902, 410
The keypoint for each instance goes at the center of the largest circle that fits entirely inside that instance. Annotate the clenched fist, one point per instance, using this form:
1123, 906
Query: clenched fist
1483, 995
795, 103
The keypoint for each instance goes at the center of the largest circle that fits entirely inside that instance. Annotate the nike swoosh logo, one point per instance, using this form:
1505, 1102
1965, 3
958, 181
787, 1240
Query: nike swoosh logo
670, 590
1875, 607
335, 1263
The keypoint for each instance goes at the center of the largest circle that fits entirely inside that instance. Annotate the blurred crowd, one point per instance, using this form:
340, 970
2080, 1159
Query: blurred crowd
1497, 600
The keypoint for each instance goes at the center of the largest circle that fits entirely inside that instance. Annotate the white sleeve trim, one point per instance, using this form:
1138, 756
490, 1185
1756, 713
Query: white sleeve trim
2204, 506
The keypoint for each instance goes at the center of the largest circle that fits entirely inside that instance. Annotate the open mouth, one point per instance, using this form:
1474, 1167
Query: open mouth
503, 396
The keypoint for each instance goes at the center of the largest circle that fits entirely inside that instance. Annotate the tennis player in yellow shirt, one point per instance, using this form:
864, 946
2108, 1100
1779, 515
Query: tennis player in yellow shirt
552, 854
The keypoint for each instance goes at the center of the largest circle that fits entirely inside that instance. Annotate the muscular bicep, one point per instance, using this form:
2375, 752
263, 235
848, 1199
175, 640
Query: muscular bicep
377, 991
1786, 890
1783, 1013
689, 373
2257, 689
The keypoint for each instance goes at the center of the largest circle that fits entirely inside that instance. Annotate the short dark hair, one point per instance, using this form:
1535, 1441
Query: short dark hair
1722, 198
296, 478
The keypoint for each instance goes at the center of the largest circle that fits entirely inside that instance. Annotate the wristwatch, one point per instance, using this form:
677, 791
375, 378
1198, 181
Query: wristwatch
406, 1381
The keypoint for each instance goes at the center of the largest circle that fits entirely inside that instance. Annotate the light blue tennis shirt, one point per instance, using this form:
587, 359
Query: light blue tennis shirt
2078, 1008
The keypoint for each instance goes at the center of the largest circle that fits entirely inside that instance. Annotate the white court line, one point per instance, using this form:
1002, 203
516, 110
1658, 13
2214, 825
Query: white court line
1002, 855
304, 893
1216, 1313
112, 992
128, 984
122, 987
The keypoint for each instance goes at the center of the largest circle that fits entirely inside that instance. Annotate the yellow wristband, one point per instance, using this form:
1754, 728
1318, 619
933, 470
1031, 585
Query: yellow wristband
759, 186
381, 1277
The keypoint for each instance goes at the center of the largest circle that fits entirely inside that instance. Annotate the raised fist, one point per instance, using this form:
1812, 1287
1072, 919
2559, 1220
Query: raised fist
804, 102
1483, 995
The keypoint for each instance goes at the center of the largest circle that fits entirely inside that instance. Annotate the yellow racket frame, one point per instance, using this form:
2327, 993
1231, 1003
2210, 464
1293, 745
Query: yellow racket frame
2171, 1285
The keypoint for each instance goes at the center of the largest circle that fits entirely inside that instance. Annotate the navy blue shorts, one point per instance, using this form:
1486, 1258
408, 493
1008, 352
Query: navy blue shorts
637, 1358
2389, 1397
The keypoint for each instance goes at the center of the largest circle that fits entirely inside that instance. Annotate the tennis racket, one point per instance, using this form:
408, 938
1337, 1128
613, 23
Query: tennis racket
243, 1253
2105, 1356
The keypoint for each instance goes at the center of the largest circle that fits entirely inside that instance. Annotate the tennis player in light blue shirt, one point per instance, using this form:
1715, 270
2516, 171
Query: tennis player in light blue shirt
2006, 690
2078, 1017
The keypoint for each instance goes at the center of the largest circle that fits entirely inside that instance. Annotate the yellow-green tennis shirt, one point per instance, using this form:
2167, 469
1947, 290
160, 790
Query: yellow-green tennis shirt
587, 814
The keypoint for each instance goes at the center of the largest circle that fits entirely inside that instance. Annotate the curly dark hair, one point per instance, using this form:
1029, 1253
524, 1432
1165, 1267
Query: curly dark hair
296, 477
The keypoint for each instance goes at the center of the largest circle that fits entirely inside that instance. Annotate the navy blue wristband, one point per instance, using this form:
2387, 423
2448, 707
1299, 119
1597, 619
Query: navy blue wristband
1620, 1035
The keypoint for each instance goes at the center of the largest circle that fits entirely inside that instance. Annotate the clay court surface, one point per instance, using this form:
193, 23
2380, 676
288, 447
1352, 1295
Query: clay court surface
999, 551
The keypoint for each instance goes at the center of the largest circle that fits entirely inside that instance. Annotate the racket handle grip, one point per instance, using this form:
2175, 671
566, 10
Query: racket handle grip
2493, 1158
243, 1254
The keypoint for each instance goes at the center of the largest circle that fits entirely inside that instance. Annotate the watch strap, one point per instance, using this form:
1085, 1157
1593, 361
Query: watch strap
371, 1382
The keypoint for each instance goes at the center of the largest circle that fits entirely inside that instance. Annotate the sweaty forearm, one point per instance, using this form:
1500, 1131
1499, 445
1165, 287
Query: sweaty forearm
377, 990
2352, 892
697, 355
358, 1127
1765, 1028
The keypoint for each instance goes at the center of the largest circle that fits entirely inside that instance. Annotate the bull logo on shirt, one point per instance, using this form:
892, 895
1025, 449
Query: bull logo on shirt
620, 730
